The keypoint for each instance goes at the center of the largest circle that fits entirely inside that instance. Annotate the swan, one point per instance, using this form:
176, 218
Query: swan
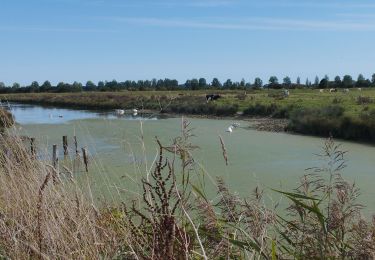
230, 129
120, 111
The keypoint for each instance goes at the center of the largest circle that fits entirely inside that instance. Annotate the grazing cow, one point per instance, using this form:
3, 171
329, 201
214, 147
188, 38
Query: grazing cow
212, 97
359, 89
332, 90
286, 93
346, 90
321, 90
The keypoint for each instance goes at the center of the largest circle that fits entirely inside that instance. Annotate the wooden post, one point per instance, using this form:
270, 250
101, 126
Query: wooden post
65, 144
32, 146
54, 156
85, 158
76, 145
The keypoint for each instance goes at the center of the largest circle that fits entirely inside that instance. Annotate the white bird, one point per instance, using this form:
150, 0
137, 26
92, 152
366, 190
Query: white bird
120, 111
135, 110
230, 129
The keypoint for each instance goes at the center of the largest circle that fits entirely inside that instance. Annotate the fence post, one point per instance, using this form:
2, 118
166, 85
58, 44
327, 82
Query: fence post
54, 156
32, 146
76, 145
85, 158
65, 144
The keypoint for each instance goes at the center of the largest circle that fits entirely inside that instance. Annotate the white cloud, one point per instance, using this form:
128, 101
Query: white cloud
251, 24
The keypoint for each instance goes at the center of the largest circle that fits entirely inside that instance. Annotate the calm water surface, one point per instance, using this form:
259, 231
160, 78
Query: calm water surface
273, 160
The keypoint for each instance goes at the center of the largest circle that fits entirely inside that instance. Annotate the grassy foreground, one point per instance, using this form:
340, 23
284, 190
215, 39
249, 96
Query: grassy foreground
347, 115
45, 214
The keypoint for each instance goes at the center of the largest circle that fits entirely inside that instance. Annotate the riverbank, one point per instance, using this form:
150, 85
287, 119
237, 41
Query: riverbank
346, 115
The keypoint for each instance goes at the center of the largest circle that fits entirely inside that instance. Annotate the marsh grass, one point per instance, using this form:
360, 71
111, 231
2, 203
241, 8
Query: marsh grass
45, 214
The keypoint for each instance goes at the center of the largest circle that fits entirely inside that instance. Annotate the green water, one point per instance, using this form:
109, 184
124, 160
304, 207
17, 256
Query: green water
273, 160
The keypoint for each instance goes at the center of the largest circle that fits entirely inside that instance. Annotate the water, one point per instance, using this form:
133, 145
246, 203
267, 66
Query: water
273, 160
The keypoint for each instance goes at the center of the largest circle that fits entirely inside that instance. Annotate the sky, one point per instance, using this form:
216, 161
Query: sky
80, 40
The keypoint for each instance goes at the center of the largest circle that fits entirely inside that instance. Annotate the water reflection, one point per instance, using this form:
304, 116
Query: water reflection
32, 114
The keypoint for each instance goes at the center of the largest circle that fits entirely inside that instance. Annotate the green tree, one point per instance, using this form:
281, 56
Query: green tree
298, 81
228, 84
337, 82
216, 83
323, 83
46, 86
347, 81
2, 85
287, 81
273, 80
373, 79
202, 83
316, 81
90, 86
16, 85
258, 83
194, 84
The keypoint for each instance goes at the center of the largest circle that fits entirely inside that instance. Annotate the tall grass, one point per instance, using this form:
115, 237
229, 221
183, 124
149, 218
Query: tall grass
47, 215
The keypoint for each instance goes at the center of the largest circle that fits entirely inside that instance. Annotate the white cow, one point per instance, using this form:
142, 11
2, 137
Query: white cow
346, 90
359, 89
321, 90
332, 90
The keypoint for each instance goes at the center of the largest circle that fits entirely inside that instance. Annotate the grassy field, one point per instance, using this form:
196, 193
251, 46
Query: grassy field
349, 115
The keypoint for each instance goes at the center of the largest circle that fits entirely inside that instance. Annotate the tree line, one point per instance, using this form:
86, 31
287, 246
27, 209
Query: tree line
191, 84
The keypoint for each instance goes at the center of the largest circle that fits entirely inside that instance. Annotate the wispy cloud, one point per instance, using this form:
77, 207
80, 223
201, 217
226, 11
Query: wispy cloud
251, 24
318, 4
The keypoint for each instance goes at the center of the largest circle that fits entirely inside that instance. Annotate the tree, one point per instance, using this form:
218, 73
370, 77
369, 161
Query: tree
34, 85
298, 81
16, 85
243, 83
287, 81
337, 82
2, 85
307, 83
273, 80
258, 83
323, 83
216, 83
228, 84
347, 81
362, 82
202, 83
316, 81
194, 84
46, 86
90, 86
76, 87
373, 79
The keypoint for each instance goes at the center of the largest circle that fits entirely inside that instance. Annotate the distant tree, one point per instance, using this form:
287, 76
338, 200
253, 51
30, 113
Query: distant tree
228, 84
373, 79
316, 81
258, 83
90, 86
34, 85
337, 82
273, 80
46, 86
347, 81
194, 84
202, 83
16, 85
76, 86
216, 83
307, 82
287, 82
188, 84
101, 85
2, 85
362, 82
242, 83
326, 77
298, 82
323, 83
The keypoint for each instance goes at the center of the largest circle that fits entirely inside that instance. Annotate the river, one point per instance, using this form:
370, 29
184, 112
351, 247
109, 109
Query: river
271, 160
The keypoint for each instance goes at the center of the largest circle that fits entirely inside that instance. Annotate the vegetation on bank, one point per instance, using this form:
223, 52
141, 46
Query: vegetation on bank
191, 84
45, 214
347, 115
6, 119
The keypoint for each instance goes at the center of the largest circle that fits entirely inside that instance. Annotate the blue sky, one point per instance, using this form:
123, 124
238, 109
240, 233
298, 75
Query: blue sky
80, 40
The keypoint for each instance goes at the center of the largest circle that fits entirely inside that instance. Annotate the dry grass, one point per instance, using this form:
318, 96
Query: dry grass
46, 215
